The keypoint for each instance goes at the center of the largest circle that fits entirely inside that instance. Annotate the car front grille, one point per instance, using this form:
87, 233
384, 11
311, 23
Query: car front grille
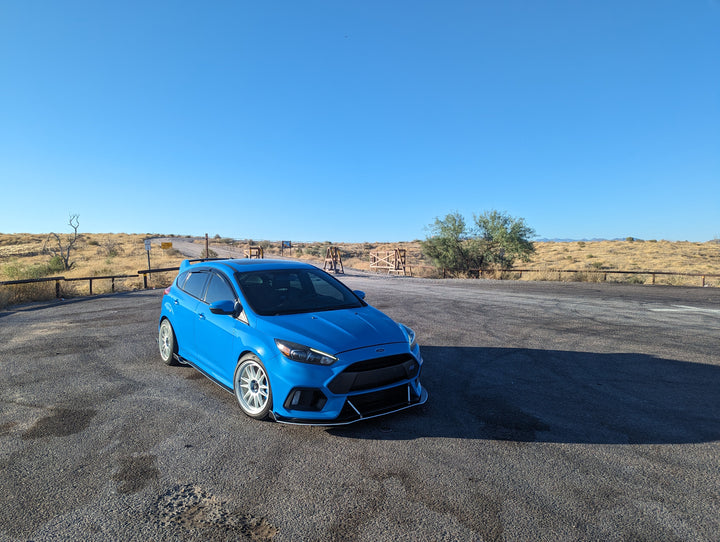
369, 404
375, 373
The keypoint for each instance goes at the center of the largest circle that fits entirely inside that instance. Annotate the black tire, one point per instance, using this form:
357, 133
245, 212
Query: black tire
251, 384
167, 343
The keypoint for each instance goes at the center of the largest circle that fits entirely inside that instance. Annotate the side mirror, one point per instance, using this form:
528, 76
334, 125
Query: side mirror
359, 293
223, 307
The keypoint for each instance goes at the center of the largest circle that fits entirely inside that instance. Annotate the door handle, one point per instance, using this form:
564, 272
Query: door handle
201, 316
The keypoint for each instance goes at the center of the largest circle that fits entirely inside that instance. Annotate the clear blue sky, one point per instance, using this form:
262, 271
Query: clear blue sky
360, 120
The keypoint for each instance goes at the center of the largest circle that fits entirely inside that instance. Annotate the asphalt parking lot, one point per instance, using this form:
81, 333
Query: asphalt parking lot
557, 412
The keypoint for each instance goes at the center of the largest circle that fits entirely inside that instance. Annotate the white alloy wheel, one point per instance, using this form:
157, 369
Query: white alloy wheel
167, 343
252, 387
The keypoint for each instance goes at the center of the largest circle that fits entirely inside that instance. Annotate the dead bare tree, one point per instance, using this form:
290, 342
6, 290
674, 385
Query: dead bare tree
63, 248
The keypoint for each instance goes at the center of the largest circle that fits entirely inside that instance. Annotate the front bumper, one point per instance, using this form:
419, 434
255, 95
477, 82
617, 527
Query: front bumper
369, 382
366, 406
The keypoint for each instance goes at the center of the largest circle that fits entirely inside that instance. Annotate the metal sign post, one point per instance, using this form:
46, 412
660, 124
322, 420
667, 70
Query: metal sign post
147, 248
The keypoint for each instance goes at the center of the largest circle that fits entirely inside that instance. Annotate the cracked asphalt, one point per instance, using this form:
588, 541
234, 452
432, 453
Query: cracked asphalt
563, 411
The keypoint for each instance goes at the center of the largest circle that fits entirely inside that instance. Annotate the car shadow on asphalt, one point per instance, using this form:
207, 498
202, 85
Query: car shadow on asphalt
526, 395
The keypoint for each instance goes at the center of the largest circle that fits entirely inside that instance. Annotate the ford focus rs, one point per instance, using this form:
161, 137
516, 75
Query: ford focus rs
289, 341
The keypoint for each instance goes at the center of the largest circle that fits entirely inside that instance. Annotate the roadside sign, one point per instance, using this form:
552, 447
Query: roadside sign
147, 245
165, 246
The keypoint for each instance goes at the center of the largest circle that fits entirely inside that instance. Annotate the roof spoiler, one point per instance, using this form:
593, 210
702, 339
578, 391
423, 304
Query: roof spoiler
187, 263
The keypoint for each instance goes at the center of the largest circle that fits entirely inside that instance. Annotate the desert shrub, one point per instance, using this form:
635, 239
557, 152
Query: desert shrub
314, 250
55, 265
583, 276
545, 276
110, 248
635, 279
19, 271
4, 296
23, 293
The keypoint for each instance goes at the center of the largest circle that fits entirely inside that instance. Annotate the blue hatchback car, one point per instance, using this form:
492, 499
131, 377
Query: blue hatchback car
290, 341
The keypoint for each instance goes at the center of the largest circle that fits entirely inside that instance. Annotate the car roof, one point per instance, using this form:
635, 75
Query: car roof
246, 264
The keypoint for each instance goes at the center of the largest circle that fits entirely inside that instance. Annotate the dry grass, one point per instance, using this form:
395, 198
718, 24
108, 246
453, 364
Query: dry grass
22, 256
589, 260
596, 256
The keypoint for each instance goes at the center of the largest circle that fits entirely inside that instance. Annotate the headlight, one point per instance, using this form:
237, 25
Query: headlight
410, 335
304, 354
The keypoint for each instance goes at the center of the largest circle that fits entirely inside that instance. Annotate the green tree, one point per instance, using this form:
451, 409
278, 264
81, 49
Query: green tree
503, 238
450, 245
495, 239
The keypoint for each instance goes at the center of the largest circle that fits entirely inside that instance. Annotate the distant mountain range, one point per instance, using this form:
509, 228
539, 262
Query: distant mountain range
556, 240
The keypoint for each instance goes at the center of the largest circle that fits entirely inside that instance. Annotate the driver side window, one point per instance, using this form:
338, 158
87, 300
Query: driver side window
218, 290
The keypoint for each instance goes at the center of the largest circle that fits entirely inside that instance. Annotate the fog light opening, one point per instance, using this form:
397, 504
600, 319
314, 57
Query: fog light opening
307, 399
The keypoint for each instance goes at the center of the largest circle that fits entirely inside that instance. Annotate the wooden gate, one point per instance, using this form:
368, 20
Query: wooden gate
255, 253
333, 260
390, 261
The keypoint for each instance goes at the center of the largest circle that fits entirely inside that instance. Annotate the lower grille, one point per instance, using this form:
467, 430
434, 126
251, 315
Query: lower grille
369, 404
375, 373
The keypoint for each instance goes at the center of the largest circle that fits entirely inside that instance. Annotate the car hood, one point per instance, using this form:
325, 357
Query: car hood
334, 331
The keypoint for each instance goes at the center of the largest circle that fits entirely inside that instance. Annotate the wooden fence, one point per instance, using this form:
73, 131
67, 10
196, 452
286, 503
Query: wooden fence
479, 273
145, 273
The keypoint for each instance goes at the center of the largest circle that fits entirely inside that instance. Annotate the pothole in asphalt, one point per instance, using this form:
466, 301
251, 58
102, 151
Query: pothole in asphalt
191, 507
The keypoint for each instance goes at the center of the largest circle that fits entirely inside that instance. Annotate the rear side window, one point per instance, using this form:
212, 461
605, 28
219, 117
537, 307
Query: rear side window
195, 283
218, 290
182, 277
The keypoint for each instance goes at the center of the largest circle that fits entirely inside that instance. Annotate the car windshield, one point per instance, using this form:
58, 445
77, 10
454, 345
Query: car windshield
293, 291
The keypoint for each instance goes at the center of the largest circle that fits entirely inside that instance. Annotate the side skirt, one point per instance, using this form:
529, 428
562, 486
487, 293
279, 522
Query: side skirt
188, 362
